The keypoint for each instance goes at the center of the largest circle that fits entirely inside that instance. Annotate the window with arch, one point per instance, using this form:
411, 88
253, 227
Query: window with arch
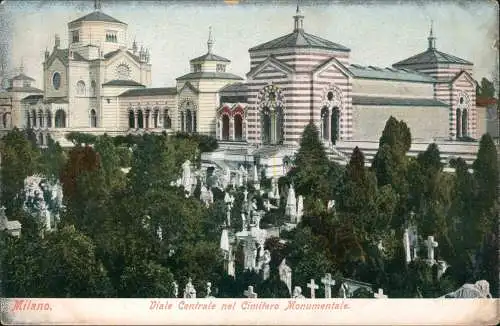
225, 127
156, 116
238, 127
60, 119
33, 118
465, 131
147, 118
28, 120
40, 139
131, 119
271, 103
93, 119
167, 122
183, 127
111, 36
92, 88
40, 118
335, 125
56, 80
189, 121
49, 119
325, 123
80, 87
140, 119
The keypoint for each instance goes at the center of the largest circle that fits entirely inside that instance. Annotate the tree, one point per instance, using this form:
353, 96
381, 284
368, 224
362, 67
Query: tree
487, 89
19, 160
486, 175
145, 279
52, 160
311, 166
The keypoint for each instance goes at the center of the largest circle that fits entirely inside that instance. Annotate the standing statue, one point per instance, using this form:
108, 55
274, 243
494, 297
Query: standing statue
266, 259
189, 290
186, 176
297, 293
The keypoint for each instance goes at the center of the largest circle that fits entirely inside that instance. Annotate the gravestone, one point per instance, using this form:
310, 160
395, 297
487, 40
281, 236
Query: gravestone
380, 294
189, 290
328, 282
300, 208
406, 244
430, 244
209, 290
313, 287
186, 176
249, 293
291, 205
480, 290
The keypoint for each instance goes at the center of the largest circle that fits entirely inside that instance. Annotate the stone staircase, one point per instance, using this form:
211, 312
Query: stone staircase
334, 154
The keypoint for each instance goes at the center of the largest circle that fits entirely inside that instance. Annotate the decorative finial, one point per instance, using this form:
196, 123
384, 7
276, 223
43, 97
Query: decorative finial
299, 19
210, 42
97, 4
431, 38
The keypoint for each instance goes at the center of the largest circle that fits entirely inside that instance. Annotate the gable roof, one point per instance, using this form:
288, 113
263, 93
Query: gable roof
271, 60
209, 75
24, 90
190, 86
210, 57
372, 72
236, 87
97, 16
111, 54
432, 56
149, 92
300, 39
120, 82
32, 99
22, 76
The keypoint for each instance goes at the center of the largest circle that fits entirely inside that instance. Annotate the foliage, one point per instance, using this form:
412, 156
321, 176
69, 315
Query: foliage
80, 138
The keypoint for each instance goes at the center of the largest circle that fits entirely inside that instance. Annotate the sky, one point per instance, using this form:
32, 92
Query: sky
379, 33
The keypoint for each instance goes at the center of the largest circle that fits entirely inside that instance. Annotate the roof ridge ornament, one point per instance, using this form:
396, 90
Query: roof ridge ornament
210, 42
97, 4
298, 19
431, 38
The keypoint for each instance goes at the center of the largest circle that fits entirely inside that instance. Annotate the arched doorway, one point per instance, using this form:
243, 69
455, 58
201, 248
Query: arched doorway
266, 126
458, 126
189, 121
225, 127
324, 123
140, 119
238, 127
131, 119
93, 119
335, 125
148, 116
464, 123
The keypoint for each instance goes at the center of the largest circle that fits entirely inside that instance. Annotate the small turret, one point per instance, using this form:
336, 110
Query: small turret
47, 54
134, 47
57, 42
210, 42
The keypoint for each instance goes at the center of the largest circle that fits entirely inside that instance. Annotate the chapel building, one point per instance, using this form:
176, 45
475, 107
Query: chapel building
98, 84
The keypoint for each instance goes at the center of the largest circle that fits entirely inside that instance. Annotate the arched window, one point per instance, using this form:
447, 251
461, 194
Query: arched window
266, 126
80, 88
225, 127
40, 139
156, 116
147, 117
189, 121
49, 119
238, 127
465, 117
335, 125
325, 123
140, 120
33, 118
458, 125
93, 119
167, 122
131, 119
92, 88
40, 118
60, 119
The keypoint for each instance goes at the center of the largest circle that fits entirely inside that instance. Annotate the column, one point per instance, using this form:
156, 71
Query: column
273, 127
231, 125
136, 125
329, 127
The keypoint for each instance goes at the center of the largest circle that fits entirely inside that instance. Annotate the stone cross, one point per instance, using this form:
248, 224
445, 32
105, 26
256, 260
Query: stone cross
313, 287
328, 282
245, 193
431, 244
249, 293
380, 294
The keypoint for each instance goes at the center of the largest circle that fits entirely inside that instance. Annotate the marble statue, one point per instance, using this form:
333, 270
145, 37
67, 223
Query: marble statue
297, 293
300, 208
209, 290
43, 199
266, 259
285, 273
186, 176
189, 290
291, 205
442, 267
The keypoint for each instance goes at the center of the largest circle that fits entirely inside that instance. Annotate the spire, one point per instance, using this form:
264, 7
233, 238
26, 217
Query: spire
21, 67
299, 19
210, 42
97, 4
431, 38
